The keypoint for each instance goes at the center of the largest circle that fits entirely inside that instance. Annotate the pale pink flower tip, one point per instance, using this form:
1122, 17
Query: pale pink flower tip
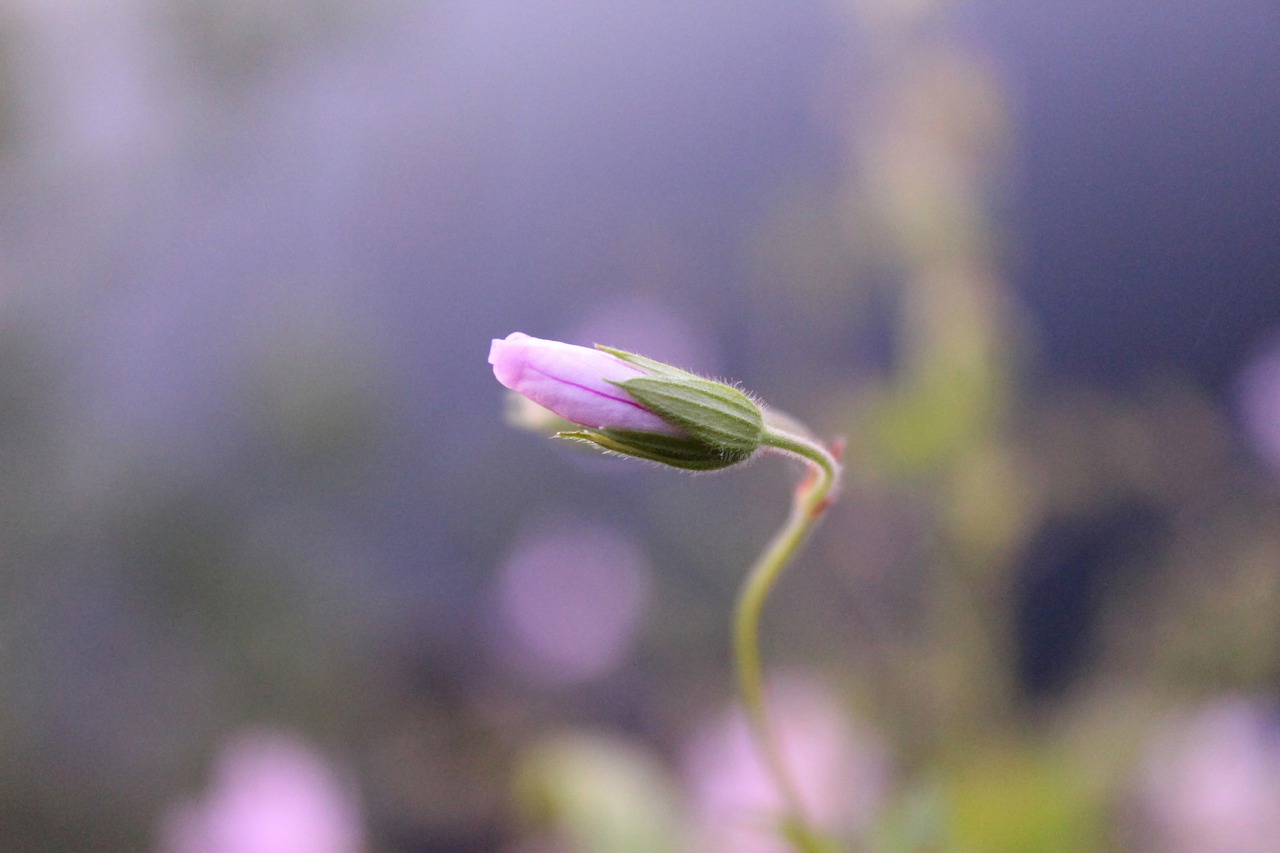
575, 382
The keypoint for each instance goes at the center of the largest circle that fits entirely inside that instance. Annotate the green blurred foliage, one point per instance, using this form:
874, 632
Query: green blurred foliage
600, 793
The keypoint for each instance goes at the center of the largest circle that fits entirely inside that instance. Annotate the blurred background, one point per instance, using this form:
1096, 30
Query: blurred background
279, 578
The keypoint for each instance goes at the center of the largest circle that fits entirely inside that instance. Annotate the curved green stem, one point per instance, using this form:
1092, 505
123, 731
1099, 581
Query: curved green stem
811, 499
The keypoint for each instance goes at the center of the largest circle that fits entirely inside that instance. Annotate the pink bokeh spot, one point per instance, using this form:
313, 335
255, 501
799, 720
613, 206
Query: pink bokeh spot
840, 771
1211, 781
270, 793
1258, 399
570, 600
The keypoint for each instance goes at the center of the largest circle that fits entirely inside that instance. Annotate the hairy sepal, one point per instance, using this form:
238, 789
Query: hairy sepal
653, 368
684, 452
717, 414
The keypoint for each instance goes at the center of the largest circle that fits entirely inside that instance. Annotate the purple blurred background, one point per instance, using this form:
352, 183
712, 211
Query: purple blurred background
257, 476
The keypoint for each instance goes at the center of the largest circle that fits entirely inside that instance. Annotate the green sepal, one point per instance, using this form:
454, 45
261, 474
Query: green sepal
678, 451
655, 368
719, 415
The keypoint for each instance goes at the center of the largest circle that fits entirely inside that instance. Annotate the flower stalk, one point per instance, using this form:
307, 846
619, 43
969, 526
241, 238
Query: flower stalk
634, 406
810, 501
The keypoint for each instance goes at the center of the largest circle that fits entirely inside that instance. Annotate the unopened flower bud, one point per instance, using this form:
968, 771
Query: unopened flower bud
630, 404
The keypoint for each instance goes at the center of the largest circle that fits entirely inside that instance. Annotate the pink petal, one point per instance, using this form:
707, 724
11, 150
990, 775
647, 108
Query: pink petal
574, 382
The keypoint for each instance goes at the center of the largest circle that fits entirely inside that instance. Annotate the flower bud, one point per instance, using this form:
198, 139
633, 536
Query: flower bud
632, 405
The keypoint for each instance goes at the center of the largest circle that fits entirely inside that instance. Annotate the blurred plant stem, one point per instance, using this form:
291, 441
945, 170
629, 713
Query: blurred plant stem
811, 499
